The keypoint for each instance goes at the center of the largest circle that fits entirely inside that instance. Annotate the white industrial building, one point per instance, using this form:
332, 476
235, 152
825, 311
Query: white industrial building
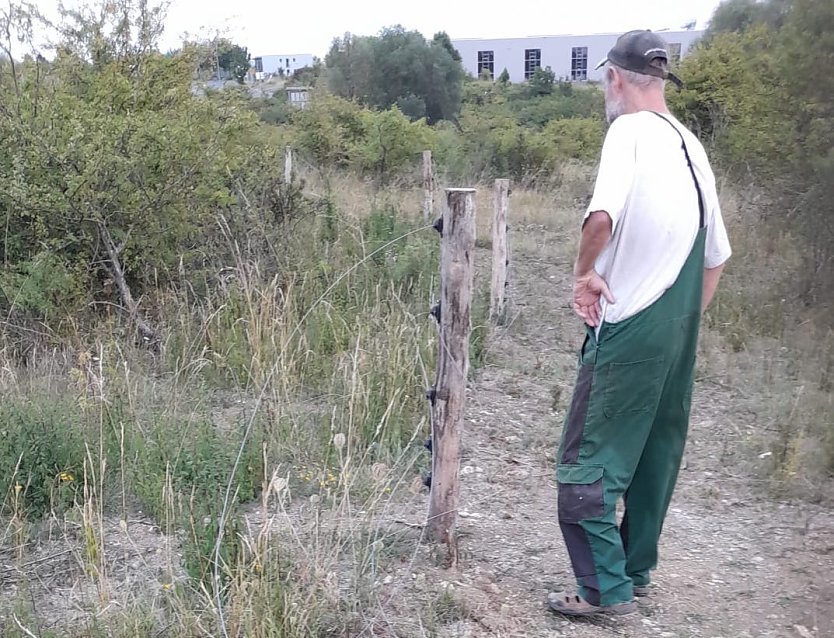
285, 64
571, 57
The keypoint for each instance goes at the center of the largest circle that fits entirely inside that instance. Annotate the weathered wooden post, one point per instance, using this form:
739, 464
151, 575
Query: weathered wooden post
500, 252
448, 397
288, 165
428, 187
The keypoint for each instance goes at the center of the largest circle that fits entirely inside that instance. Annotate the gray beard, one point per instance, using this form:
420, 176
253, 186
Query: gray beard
613, 109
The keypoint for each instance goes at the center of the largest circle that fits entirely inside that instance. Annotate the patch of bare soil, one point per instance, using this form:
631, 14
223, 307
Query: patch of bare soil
69, 584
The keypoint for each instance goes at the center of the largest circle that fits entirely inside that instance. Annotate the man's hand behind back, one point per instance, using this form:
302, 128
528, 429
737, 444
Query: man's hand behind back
588, 290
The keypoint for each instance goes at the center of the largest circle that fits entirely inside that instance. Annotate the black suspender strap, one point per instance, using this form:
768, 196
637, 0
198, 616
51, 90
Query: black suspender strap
691, 168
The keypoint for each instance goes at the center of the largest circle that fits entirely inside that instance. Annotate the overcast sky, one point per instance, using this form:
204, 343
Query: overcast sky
295, 26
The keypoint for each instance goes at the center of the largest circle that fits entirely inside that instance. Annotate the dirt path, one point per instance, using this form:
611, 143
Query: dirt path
733, 562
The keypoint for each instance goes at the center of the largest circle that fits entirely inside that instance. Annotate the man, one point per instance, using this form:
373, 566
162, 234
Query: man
652, 249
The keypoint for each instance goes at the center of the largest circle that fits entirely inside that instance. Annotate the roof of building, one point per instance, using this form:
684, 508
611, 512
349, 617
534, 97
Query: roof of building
576, 35
283, 55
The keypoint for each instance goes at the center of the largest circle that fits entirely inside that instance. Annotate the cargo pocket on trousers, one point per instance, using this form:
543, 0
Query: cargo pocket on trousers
632, 387
580, 492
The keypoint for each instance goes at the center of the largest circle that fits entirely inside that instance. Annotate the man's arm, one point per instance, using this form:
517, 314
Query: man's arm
589, 286
595, 234
711, 277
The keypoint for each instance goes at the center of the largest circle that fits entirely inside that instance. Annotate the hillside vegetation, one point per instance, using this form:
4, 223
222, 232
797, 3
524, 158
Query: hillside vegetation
186, 338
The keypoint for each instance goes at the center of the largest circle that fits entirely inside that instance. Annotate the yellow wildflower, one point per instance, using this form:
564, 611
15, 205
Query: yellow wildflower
66, 477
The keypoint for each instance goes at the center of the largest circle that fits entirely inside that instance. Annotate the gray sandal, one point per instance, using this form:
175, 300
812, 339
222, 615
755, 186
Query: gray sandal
574, 605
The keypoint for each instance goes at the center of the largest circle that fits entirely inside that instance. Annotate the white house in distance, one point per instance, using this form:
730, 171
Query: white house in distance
571, 57
285, 64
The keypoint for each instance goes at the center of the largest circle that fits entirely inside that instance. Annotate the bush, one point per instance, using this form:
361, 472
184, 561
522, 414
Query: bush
327, 131
42, 447
391, 143
398, 67
573, 139
338, 134
753, 92
79, 225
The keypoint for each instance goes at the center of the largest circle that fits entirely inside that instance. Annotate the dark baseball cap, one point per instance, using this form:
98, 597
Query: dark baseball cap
643, 52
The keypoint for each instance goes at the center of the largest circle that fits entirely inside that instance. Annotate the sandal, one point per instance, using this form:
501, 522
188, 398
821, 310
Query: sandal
575, 605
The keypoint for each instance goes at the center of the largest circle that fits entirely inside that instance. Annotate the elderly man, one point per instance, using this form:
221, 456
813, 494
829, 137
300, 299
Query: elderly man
652, 249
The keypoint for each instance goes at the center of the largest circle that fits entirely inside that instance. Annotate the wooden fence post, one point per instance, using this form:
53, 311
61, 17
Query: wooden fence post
428, 187
288, 165
449, 393
500, 251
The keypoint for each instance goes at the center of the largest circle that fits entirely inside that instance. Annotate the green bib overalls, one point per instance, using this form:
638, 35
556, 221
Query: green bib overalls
625, 432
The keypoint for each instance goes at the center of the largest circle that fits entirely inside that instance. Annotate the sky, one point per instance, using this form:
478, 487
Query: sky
294, 26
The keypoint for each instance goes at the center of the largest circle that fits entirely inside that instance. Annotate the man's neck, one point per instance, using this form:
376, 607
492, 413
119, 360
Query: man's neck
648, 102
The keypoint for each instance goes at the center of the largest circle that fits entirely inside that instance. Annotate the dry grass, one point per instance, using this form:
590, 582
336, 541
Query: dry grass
771, 350
306, 390
313, 386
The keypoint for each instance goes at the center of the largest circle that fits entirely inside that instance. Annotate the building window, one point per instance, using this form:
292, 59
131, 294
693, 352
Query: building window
674, 53
579, 64
532, 61
486, 62
259, 65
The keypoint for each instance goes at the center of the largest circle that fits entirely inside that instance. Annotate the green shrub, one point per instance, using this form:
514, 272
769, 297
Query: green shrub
44, 286
572, 139
391, 143
42, 448
191, 457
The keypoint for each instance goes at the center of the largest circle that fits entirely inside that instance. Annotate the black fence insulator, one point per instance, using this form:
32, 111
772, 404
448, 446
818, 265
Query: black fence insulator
427, 475
431, 395
438, 225
435, 312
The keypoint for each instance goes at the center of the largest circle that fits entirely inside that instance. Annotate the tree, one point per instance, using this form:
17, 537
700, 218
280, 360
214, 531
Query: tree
390, 142
308, 75
398, 67
413, 106
233, 59
807, 40
349, 67
755, 92
736, 16
442, 38
504, 78
542, 82
112, 170
327, 131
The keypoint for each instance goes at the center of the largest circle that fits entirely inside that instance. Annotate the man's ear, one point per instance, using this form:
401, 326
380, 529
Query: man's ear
615, 80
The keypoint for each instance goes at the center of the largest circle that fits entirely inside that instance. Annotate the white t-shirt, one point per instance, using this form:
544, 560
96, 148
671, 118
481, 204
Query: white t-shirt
645, 186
